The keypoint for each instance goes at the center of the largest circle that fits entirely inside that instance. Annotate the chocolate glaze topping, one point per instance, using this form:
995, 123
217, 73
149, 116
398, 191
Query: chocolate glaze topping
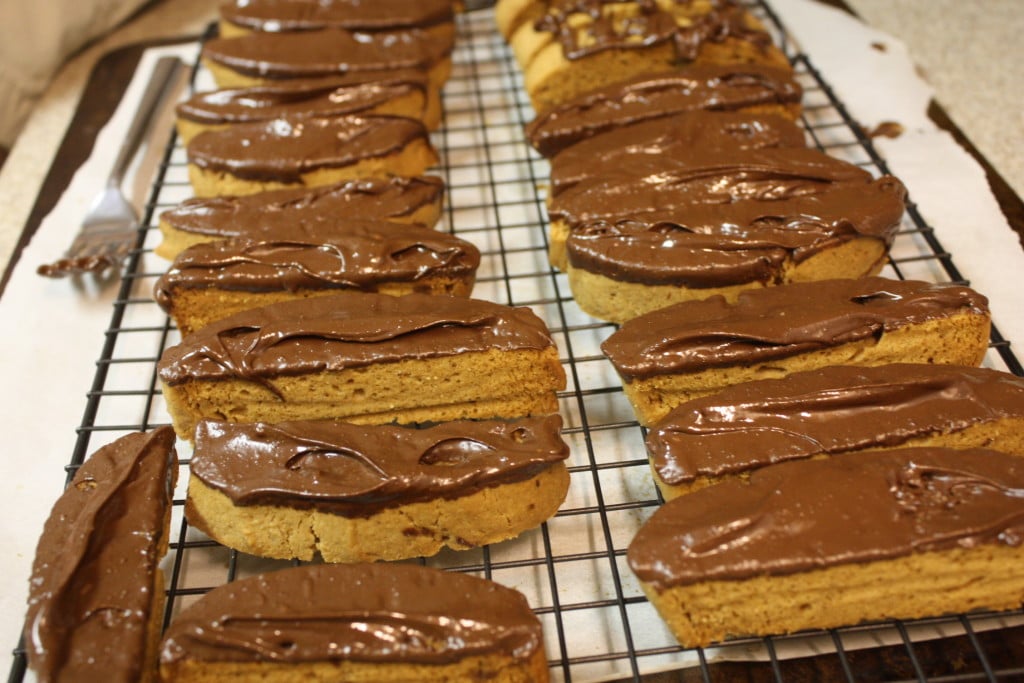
91, 592
305, 15
778, 322
675, 136
346, 255
828, 411
353, 93
330, 52
711, 245
812, 514
709, 87
335, 333
283, 149
360, 612
637, 186
356, 470
366, 198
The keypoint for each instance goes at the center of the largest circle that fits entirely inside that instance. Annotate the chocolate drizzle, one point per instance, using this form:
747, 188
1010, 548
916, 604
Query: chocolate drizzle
356, 471
811, 514
362, 612
778, 322
828, 411
306, 15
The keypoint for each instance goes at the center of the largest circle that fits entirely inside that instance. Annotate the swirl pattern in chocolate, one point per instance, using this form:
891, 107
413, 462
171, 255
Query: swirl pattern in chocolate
365, 198
284, 149
332, 96
710, 87
306, 15
345, 255
778, 322
812, 514
91, 594
356, 470
360, 329
829, 411
397, 613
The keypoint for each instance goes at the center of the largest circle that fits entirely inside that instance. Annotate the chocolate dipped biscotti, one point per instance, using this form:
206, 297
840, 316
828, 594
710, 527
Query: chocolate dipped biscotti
695, 348
240, 17
362, 622
396, 199
833, 411
365, 358
354, 493
96, 596
822, 543
208, 282
306, 152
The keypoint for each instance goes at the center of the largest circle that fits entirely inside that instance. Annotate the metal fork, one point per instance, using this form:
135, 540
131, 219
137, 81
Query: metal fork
110, 228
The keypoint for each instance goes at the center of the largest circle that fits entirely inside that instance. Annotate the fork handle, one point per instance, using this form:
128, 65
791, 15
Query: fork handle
165, 73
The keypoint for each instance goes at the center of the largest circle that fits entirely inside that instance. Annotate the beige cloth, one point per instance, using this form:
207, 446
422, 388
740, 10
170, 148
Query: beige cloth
38, 36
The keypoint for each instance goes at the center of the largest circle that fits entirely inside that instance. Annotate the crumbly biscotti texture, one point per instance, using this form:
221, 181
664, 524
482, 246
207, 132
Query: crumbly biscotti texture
929, 584
418, 529
956, 340
490, 384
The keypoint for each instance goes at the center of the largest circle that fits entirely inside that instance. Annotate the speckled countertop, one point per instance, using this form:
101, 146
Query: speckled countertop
966, 50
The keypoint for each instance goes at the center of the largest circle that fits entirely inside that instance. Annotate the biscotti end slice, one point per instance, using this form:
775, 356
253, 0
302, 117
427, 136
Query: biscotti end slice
95, 606
367, 358
352, 493
360, 622
816, 544
695, 348
833, 411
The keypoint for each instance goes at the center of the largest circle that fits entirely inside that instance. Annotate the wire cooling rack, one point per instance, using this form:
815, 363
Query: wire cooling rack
598, 625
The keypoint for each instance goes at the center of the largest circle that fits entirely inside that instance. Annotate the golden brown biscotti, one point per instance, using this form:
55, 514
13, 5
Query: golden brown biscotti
397, 199
244, 16
832, 411
816, 544
367, 359
695, 348
404, 92
211, 281
355, 493
96, 596
306, 152
403, 622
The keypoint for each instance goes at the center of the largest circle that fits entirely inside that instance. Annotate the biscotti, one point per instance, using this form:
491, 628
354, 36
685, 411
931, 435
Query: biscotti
306, 152
243, 16
397, 93
207, 282
397, 199
691, 349
365, 358
750, 88
362, 622
354, 493
815, 544
831, 411
96, 596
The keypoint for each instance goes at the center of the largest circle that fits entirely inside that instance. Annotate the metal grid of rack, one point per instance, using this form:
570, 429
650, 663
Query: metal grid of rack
598, 625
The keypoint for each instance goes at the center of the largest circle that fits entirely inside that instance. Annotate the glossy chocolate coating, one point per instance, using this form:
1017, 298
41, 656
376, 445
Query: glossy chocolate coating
385, 613
778, 322
811, 514
330, 52
305, 15
91, 592
675, 136
365, 198
335, 333
825, 412
645, 97
357, 470
284, 149
346, 255
332, 96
